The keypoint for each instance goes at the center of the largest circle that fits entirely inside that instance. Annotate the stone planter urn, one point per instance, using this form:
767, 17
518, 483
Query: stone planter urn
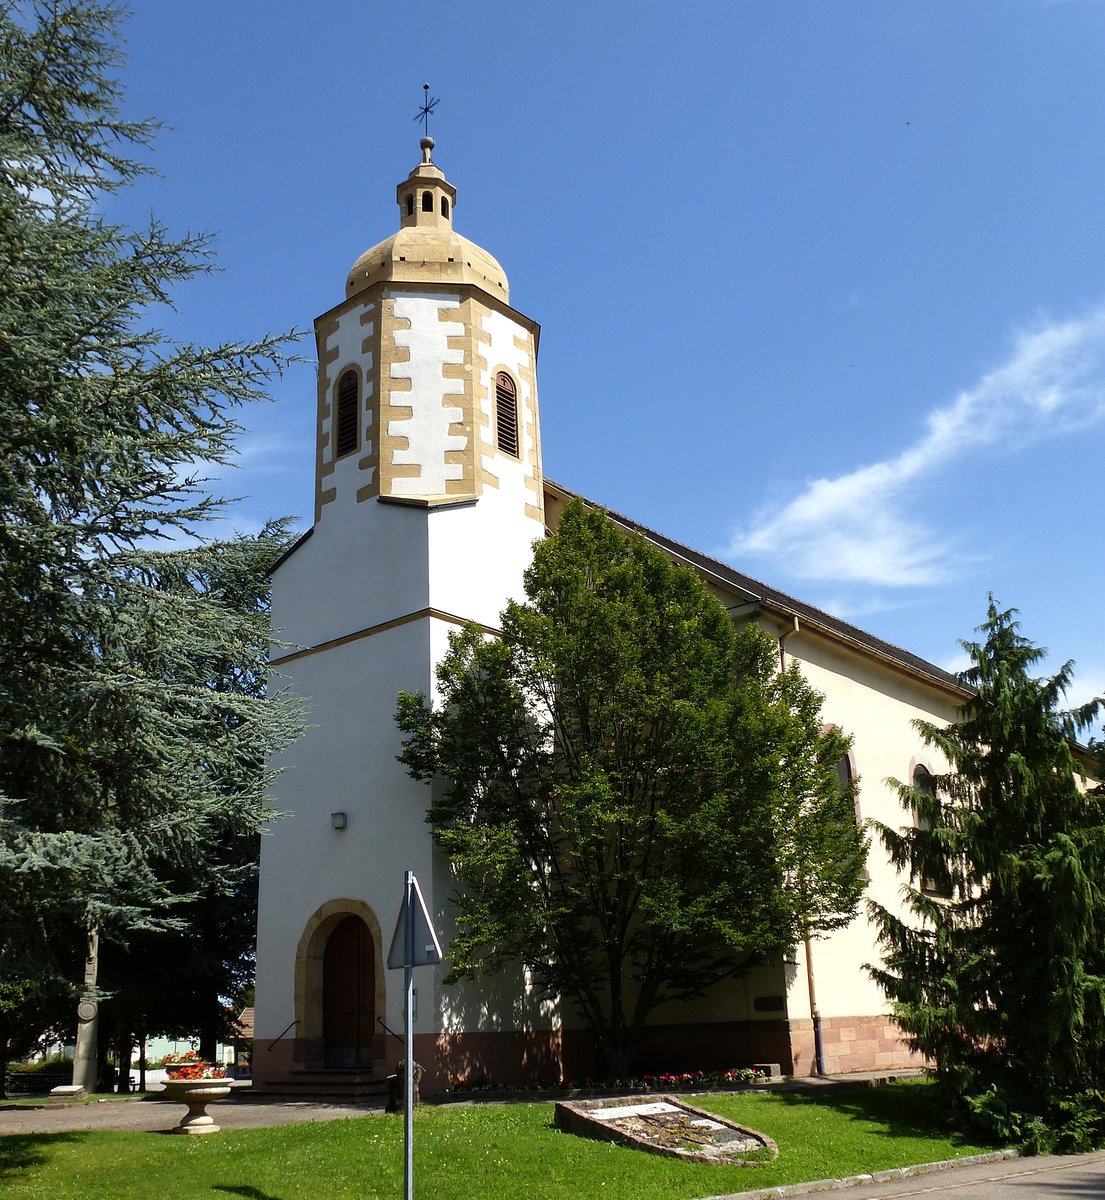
197, 1094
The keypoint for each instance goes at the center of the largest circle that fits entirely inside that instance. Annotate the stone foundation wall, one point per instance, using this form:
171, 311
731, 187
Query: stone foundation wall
272, 1065
539, 1057
851, 1044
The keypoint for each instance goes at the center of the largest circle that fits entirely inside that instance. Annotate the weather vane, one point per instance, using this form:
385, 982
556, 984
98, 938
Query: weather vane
428, 106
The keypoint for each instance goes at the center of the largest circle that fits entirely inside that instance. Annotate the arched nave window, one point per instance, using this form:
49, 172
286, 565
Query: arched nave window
925, 782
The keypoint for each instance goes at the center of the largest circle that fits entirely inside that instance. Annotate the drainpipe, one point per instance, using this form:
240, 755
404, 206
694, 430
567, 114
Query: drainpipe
815, 1012
782, 638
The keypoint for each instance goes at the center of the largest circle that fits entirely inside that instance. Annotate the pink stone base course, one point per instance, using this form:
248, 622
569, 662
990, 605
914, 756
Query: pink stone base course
537, 1058
852, 1044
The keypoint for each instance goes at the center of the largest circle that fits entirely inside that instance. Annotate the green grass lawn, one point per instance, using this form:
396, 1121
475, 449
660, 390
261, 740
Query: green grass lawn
506, 1152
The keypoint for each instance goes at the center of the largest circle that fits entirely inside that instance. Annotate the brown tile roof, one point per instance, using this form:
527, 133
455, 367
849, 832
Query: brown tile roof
243, 1026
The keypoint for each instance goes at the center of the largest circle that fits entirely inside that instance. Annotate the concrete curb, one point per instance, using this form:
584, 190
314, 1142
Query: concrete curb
891, 1176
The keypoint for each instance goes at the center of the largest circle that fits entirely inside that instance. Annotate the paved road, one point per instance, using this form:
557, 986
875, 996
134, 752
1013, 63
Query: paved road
150, 1114
1064, 1177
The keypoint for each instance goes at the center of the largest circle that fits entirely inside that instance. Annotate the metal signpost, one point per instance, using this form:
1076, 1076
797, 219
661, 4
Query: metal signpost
414, 944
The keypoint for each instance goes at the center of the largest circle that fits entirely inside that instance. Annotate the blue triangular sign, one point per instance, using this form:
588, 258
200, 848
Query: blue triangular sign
427, 949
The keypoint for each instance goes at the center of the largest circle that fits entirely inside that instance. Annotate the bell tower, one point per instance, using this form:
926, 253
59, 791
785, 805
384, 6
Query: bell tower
428, 499
427, 384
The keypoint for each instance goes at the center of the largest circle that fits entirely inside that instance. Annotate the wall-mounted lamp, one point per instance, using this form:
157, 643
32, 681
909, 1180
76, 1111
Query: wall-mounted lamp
337, 820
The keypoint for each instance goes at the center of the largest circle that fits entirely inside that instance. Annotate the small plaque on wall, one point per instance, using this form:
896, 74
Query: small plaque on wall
768, 1003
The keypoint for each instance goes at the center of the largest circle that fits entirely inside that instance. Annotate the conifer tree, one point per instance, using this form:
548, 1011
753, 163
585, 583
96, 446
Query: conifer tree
637, 803
132, 727
998, 973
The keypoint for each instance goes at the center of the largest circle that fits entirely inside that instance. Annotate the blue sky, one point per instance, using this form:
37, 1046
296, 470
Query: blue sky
821, 286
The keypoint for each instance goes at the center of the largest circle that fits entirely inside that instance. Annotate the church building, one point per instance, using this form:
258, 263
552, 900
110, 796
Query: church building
429, 494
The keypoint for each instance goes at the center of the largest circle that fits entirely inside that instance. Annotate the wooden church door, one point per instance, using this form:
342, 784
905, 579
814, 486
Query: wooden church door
348, 995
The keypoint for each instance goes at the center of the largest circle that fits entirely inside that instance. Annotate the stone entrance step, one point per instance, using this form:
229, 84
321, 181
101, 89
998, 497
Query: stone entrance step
330, 1083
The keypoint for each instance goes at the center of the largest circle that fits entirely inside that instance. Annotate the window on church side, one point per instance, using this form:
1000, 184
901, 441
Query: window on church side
410, 205
427, 202
506, 414
925, 783
346, 425
444, 206
844, 778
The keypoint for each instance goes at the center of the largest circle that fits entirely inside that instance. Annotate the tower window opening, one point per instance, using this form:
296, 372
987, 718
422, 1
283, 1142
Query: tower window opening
346, 425
410, 205
428, 202
444, 206
506, 414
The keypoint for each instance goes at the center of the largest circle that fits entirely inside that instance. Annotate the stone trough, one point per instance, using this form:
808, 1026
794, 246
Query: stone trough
665, 1125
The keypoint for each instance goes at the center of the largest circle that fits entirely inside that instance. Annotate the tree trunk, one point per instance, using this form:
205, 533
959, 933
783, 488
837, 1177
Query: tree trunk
209, 1038
616, 1048
85, 1057
4, 1039
125, 1046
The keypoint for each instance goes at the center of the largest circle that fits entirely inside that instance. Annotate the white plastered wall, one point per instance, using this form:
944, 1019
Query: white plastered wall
367, 564
427, 430
363, 564
480, 552
344, 763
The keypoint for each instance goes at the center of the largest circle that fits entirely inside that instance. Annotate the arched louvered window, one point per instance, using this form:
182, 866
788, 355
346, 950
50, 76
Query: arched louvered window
346, 424
444, 206
427, 202
506, 414
410, 205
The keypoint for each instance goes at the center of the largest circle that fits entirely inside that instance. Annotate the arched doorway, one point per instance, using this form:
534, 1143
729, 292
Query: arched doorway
348, 994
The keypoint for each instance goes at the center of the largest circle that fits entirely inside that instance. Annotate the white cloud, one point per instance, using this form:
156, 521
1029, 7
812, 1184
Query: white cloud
858, 527
960, 660
1088, 684
263, 453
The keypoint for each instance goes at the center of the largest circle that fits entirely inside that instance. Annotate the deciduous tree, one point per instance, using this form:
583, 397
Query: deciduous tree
636, 802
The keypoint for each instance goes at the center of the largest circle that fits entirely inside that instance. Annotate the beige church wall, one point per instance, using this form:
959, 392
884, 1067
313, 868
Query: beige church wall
877, 708
758, 995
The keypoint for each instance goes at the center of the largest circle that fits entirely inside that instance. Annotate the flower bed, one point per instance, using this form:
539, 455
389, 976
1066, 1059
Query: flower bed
686, 1081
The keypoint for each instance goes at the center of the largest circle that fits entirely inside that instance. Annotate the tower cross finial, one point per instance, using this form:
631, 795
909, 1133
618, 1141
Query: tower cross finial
428, 106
